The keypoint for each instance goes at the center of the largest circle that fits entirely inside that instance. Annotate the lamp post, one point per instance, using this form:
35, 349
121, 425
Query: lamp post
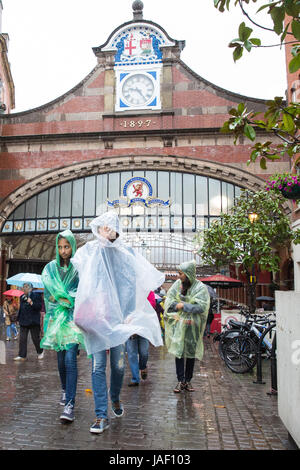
253, 217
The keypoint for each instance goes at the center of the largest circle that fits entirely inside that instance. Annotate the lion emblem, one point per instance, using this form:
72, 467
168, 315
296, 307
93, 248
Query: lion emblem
138, 189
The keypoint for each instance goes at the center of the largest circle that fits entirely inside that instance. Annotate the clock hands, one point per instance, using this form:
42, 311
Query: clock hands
137, 90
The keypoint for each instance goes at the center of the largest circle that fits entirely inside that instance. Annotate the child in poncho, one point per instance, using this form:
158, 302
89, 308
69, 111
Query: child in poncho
60, 280
186, 310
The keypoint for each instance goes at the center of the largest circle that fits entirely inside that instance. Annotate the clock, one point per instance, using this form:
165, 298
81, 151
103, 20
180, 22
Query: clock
138, 89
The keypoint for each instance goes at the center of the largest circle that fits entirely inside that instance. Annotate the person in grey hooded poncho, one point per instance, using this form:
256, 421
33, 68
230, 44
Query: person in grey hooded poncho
111, 305
186, 310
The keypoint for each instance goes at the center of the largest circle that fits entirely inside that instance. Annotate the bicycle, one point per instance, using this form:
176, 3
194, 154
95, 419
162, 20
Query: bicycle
240, 352
230, 330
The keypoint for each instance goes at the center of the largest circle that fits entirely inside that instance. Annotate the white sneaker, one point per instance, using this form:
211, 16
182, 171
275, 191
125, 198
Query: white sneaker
41, 356
19, 358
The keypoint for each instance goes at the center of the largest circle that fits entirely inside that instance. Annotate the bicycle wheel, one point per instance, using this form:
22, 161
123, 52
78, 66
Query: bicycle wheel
227, 336
240, 354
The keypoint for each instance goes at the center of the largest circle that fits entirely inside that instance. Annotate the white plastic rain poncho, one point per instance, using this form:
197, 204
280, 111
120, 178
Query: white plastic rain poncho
114, 283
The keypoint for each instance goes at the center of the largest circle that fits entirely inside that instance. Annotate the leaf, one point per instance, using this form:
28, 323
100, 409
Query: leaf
278, 14
265, 6
283, 36
249, 132
241, 108
294, 64
296, 29
248, 45
237, 53
256, 41
263, 163
292, 8
233, 44
288, 122
244, 32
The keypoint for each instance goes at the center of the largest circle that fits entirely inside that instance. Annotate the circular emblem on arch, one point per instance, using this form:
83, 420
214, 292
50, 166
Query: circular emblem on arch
137, 188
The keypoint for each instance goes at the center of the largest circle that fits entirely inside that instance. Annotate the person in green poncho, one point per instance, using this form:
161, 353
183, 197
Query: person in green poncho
186, 309
60, 279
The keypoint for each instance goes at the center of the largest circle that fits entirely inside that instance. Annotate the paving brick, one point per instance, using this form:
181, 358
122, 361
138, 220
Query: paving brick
226, 412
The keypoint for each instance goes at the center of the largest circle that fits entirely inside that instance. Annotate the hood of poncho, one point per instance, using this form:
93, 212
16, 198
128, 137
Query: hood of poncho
68, 235
189, 269
111, 220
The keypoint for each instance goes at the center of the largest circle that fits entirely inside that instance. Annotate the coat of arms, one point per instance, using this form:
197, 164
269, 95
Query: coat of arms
138, 191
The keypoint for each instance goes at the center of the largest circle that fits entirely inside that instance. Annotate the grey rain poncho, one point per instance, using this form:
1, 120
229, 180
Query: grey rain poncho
114, 283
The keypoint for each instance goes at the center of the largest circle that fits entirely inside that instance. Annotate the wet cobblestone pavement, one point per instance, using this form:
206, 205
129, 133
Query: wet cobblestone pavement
226, 412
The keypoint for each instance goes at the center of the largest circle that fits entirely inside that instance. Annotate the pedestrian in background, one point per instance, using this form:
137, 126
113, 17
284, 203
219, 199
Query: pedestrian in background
186, 309
138, 351
10, 310
60, 280
210, 319
29, 318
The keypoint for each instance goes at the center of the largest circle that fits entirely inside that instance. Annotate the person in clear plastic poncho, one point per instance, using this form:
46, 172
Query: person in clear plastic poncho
186, 310
60, 280
111, 305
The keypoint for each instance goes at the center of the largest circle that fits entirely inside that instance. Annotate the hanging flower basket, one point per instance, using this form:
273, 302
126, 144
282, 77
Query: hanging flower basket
292, 193
287, 184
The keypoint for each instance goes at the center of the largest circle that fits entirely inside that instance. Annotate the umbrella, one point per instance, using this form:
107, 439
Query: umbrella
221, 281
265, 297
13, 293
21, 278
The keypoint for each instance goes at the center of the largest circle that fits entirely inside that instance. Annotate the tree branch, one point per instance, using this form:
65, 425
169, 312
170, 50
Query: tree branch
253, 22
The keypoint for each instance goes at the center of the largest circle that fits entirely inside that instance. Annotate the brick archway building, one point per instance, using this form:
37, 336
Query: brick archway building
140, 110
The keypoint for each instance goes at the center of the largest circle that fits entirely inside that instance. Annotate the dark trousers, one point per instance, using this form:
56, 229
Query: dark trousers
35, 336
187, 374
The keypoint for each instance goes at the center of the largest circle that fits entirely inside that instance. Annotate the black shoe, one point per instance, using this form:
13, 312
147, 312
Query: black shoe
118, 409
144, 374
133, 384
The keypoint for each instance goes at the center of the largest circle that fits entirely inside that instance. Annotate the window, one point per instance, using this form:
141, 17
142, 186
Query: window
65, 199
42, 205
215, 199
30, 208
89, 196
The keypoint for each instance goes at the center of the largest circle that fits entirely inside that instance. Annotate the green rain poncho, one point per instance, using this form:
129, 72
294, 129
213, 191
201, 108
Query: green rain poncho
60, 331
184, 328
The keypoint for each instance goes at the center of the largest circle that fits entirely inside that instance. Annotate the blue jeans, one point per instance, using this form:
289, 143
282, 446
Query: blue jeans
12, 327
137, 353
67, 368
117, 366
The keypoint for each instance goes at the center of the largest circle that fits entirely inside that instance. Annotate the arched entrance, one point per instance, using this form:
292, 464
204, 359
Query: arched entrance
187, 195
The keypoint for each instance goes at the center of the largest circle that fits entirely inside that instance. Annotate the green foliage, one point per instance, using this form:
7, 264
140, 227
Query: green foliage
236, 240
280, 119
278, 11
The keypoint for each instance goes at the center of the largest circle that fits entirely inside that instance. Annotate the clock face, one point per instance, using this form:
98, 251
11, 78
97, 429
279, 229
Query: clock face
138, 89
